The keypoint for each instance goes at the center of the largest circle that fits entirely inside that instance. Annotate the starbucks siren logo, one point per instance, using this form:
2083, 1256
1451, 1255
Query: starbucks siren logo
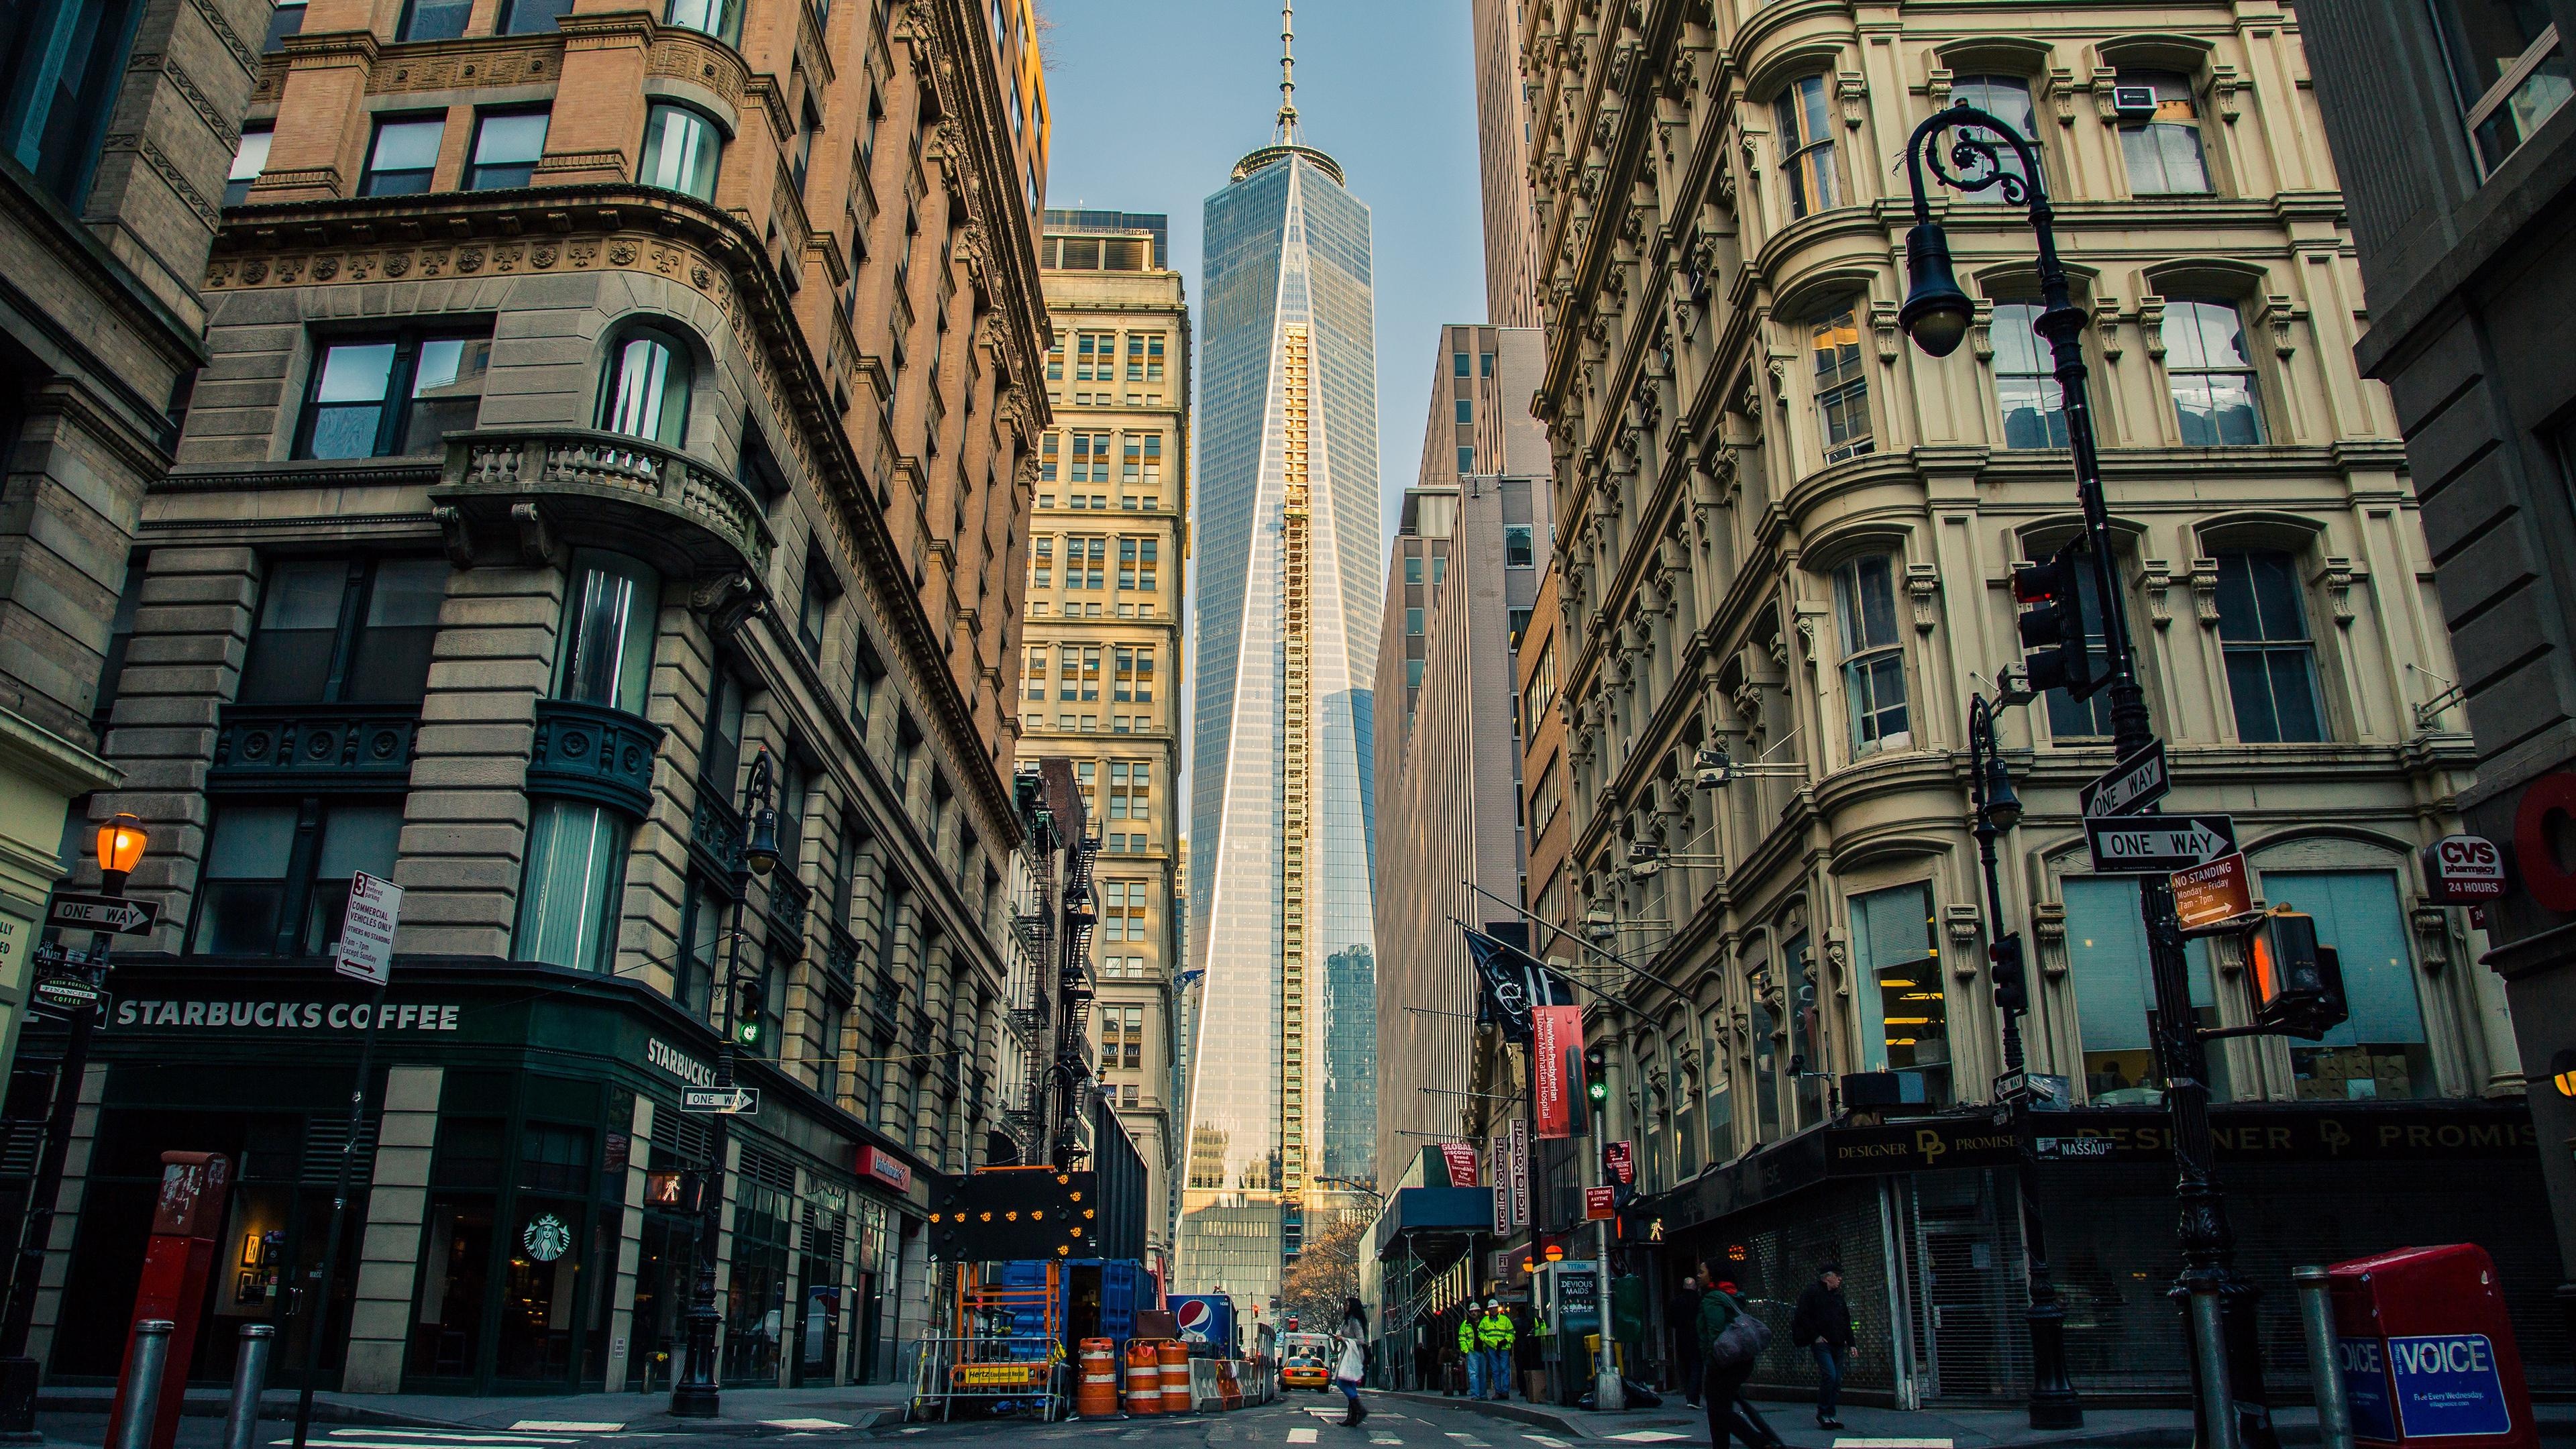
546, 1237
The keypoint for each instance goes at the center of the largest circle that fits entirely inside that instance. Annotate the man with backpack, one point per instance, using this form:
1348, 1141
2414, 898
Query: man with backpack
1823, 1322
1731, 1342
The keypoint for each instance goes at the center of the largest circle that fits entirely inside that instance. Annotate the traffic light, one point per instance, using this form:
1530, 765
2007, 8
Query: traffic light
2012, 981
2298, 983
747, 1001
2056, 623
1596, 1074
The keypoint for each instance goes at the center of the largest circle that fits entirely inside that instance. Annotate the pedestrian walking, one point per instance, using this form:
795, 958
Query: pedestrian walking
1468, 1351
1823, 1322
1685, 1321
1494, 1338
1352, 1363
1731, 1341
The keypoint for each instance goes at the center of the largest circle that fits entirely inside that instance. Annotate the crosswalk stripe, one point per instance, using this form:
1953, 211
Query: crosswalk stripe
1301, 1436
805, 1423
1648, 1436
1551, 1443
417, 1441
450, 1436
1384, 1439
1469, 1440
1892, 1444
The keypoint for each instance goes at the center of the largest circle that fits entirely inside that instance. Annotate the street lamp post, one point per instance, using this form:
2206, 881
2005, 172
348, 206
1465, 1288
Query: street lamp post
694, 1393
120, 849
1936, 315
1998, 809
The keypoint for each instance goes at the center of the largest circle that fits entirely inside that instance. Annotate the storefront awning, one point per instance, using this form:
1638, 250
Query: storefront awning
1453, 1210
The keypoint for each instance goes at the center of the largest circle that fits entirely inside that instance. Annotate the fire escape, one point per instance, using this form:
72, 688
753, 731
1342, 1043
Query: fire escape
1074, 991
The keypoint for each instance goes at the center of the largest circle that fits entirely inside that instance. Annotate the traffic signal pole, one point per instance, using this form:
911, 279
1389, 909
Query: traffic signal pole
1969, 157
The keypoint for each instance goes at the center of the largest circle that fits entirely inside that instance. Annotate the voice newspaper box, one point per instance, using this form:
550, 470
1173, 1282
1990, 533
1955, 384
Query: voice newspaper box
2427, 1353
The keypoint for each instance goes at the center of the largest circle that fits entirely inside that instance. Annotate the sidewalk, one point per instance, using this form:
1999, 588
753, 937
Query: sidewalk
744, 1411
1956, 1428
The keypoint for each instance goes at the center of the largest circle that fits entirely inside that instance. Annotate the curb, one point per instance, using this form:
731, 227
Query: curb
279, 1407
1494, 1409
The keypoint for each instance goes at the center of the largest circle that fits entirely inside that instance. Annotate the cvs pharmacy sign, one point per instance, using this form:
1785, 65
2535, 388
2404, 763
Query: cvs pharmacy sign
2463, 870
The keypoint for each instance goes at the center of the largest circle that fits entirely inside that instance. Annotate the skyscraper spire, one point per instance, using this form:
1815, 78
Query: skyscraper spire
1286, 134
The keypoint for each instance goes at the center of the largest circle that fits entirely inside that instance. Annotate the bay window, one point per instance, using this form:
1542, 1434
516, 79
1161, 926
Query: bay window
682, 149
576, 874
646, 391
611, 614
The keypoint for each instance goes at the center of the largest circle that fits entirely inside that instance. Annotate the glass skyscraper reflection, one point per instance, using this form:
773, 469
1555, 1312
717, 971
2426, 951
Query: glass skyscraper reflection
1282, 832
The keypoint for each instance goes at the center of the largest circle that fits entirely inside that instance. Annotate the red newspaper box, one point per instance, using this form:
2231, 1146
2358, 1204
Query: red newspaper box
2427, 1353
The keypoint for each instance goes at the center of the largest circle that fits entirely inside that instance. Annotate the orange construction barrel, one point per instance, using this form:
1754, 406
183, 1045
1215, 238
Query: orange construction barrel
1144, 1378
1175, 1357
1095, 1391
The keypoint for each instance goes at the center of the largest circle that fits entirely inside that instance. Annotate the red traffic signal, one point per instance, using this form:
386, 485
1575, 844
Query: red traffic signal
2058, 623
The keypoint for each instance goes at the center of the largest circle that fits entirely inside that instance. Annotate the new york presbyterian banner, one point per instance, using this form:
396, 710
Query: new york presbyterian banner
1554, 1031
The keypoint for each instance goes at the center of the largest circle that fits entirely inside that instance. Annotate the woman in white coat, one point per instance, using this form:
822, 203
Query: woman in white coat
1351, 1364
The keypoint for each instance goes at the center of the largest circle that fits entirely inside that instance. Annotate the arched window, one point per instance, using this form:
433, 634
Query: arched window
681, 149
1807, 160
647, 392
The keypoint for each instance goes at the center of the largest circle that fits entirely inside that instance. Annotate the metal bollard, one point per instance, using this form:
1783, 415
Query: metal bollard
2209, 1340
2325, 1370
250, 1375
143, 1385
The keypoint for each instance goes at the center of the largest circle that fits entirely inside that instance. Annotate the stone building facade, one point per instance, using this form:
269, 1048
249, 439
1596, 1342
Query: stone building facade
2451, 120
1787, 535
123, 117
1102, 682
610, 410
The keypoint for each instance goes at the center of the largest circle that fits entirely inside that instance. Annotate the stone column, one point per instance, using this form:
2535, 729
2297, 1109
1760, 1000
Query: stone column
630, 1246
389, 1244
67, 1208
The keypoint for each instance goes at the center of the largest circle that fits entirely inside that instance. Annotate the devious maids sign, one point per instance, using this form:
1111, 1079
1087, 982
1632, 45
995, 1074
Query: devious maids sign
397, 1016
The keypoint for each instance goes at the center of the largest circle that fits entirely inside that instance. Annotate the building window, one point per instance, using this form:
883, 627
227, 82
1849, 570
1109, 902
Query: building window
1413, 673
867, 677
1466, 460
1458, 364
2271, 661
2164, 154
276, 874
1095, 357
531, 17
1090, 457
576, 872
804, 143
1766, 1063
1086, 562
2006, 98
2106, 954
59, 66
1466, 410
720, 760
1046, 457
2034, 409
719, 18
249, 159
433, 19
341, 630
835, 1027
1413, 621
402, 156
1904, 1016
1413, 568
2507, 70
1873, 657
392, 395
647, 391
1133, 681
1807, 146
702, 926
1842, 389
1520, 547
2379, 1052
2211, 375
1042, 563
610, 618
681, 150
507, 145
287, 19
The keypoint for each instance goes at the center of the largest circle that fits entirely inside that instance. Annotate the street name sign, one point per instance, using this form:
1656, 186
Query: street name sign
2071, 1149
367, 930
2158, 844
2129, 786
725, 1101
2208, 894
73, 911
1600, 1204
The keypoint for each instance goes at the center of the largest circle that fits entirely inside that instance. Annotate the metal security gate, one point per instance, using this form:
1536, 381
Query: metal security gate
1965, 1286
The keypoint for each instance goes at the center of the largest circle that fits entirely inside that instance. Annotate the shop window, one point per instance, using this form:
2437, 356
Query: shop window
1904, 1014
1802, 112
276, 875
2007, 99
1842, 387
402, 155
355, 630
60, 62
2026, 390
392, 394
250, 158
532, 17
682, 149
2211, 375
2508, 72
755, 1304
1873, 654
719, 18
610, 616
2106, 957
2164, 155
2271, 660
2379, 1052
507, 145
456, 1269
646, 392
576, 875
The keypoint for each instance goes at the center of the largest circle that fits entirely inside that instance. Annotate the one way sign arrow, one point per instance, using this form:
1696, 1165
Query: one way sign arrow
2158, 844
74, 911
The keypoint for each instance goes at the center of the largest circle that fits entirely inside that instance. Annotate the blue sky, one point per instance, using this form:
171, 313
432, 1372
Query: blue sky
1154, 101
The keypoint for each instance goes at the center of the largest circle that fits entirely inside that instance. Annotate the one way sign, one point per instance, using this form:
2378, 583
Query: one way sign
2158, 844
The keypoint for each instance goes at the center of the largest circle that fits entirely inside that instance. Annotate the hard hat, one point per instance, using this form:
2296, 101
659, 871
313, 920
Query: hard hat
1493, 1303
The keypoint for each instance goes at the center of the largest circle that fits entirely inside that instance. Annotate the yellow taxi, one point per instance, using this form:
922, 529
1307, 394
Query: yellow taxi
1306, 1361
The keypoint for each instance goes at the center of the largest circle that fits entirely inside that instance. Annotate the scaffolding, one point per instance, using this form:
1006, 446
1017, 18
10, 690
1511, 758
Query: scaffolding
1002, 1351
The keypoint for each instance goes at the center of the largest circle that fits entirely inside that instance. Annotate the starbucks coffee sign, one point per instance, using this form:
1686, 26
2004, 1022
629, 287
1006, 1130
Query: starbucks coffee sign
393, 1016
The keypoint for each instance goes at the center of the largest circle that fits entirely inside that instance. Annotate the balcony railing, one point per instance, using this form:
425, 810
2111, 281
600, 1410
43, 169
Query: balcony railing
591, 752
314, 746
510, 491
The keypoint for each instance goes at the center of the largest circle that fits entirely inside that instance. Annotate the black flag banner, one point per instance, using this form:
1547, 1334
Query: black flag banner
1515, 981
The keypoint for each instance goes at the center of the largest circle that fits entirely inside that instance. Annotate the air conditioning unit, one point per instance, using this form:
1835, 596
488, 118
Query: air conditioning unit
2133, 105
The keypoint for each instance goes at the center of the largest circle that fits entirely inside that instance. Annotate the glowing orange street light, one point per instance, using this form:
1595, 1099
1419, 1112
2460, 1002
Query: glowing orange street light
120, 850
